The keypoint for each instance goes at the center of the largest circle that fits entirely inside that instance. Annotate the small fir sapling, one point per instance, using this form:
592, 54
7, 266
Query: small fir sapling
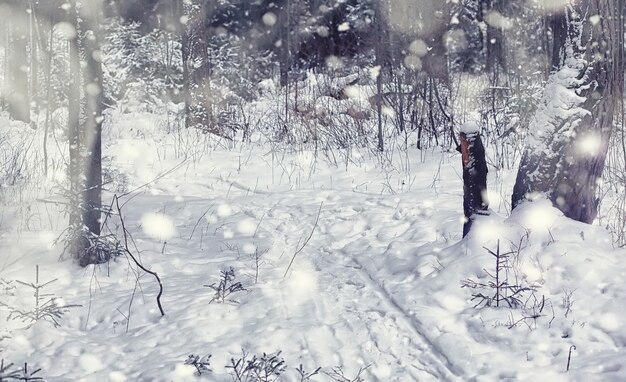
503, 291
202, 364
226, 287
337, 374
305, 375
47, 306
7, 373
263, 368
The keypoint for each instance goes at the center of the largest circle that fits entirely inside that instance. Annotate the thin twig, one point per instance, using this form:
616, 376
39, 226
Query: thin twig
569, 356
298, 250
198, 222
158, 298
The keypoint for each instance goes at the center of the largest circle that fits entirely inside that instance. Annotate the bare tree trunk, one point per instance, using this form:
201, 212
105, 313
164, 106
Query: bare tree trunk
18, 101
85, 139
195, 44
379, 81
73, 132
567, 149
34, 59
184, 46
92, 144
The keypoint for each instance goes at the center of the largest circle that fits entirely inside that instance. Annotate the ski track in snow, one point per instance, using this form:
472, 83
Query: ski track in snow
382, 315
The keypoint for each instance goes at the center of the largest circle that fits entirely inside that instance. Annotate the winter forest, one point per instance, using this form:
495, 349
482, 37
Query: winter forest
312, 190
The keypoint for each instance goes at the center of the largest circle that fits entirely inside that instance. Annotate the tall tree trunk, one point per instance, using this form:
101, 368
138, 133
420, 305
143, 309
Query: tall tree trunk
18, 101
195, 43
73, 132
92, 88
185, 47
85, 138
569, 135
379, 80
34, 59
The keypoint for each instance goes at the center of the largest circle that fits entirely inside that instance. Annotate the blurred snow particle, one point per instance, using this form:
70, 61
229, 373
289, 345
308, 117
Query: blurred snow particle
269, 19
497, 20
92, 89
248, 248
211, 219
549, 6
488, 229
228, 233
589, 144
97, 55
343, 27
184, 19
116, 376
374, 72
158, 226
455, 41
352, 92
322, 31
220, 31
246, 227
383, 372
413, 62
90, 363
539, 215
418, 48
66, 30
334, 62
224, 210
595, 19
301, 284
609, 322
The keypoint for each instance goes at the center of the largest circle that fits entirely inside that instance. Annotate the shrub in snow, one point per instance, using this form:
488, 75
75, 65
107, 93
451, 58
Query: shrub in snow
226, 287
98, 249
263, 368
202, 364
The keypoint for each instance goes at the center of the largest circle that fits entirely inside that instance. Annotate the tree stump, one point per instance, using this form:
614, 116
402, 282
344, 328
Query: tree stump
474, 174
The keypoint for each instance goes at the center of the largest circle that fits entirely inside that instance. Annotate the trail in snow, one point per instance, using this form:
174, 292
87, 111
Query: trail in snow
358, 299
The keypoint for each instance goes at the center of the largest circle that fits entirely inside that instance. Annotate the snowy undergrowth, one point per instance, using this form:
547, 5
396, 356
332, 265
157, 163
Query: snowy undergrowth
376, 288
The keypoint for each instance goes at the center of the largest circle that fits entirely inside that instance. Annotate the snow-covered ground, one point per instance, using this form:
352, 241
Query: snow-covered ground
359, 266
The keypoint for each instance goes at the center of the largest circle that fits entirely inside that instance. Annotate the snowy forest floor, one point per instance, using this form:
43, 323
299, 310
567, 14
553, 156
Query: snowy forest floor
358, 266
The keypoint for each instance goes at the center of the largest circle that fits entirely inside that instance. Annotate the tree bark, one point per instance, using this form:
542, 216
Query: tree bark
73, 131
567, 149
474, 178
92, 88
18, 101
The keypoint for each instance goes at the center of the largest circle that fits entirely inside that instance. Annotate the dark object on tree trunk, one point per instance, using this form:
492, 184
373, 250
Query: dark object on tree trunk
474, 177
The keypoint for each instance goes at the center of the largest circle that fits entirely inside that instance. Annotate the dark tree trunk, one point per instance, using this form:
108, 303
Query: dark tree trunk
380, 62
567, 150
196, 81
92, 85
85, 139
474, 178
